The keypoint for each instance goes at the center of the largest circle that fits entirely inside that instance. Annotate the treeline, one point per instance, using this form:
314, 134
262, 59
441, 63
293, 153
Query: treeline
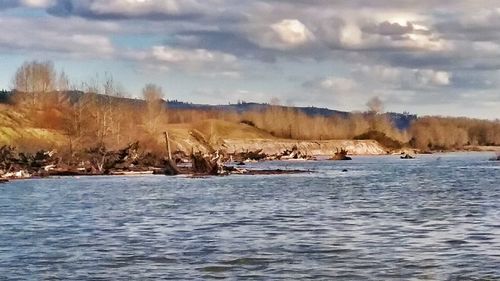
96, 113
440, 133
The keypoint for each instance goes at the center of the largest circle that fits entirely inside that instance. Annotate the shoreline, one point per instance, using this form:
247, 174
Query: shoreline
233, 170
256, 172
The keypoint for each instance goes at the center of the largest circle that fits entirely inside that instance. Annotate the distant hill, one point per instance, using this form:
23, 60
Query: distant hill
401, 121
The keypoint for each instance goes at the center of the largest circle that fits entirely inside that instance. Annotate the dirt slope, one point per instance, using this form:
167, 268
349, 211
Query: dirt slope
325, 147
200, 136
18, 131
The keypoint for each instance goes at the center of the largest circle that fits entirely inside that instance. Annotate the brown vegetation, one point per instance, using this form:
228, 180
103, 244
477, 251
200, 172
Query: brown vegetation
382, 138
439, 133
99, 117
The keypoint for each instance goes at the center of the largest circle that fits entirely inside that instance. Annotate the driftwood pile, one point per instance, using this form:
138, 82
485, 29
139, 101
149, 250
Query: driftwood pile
126, 161
293, 154
249, 156
208, 164
258, 155
93, 161
100, 160
14, 164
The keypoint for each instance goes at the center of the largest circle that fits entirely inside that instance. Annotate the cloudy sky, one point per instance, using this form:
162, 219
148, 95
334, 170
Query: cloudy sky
422, 56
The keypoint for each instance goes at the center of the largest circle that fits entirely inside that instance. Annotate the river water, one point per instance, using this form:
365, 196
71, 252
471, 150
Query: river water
433, 218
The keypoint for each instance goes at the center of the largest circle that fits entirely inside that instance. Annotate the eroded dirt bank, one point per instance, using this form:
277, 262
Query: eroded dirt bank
277, 146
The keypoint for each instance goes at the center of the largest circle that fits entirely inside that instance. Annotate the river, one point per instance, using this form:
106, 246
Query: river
433, 218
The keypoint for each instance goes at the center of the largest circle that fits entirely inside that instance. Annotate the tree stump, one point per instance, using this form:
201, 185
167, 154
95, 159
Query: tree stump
171, 168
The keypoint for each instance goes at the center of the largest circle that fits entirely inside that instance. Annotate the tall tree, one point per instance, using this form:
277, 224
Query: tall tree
155, 108
34, 78
375, 105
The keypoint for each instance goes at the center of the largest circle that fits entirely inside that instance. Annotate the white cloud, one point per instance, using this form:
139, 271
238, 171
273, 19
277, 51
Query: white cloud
351, 36
339, 85
292, 32
38, 3
199, 61
379, 37
424, 42
283, 35
431, 77
402, 78
191, 57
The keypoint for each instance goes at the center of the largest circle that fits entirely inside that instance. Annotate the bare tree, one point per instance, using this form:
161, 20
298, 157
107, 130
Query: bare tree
63, 83
375, 105
155, 108
34, 78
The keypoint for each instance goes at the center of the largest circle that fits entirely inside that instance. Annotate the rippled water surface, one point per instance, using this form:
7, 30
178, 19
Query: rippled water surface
433, 218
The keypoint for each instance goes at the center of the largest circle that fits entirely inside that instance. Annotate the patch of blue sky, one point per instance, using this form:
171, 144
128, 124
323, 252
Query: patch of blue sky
23, 13
136, 41
8, 64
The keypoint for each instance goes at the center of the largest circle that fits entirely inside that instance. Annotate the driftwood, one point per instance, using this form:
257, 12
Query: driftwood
341, 155
8, 158
170, 168
15, 164
101, 161
407, 156
94, 161
129, 160
208, 164
294, 154
256, 155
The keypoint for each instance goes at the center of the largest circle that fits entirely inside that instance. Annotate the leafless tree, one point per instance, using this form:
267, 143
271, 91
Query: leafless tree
34, 78
375, 105
155, 108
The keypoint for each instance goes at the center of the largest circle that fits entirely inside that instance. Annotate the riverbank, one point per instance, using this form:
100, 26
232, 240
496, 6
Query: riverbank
312, 148
214, 167
133, 160
482, 148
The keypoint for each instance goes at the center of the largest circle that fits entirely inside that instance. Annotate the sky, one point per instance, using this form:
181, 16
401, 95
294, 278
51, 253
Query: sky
426, 57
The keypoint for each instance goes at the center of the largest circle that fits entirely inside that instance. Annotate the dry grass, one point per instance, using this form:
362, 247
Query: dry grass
17, 130
214, 129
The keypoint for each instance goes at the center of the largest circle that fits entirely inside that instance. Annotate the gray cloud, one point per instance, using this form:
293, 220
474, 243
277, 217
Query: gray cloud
357, 31
403, 50
75, 37
6, 4
121, 10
